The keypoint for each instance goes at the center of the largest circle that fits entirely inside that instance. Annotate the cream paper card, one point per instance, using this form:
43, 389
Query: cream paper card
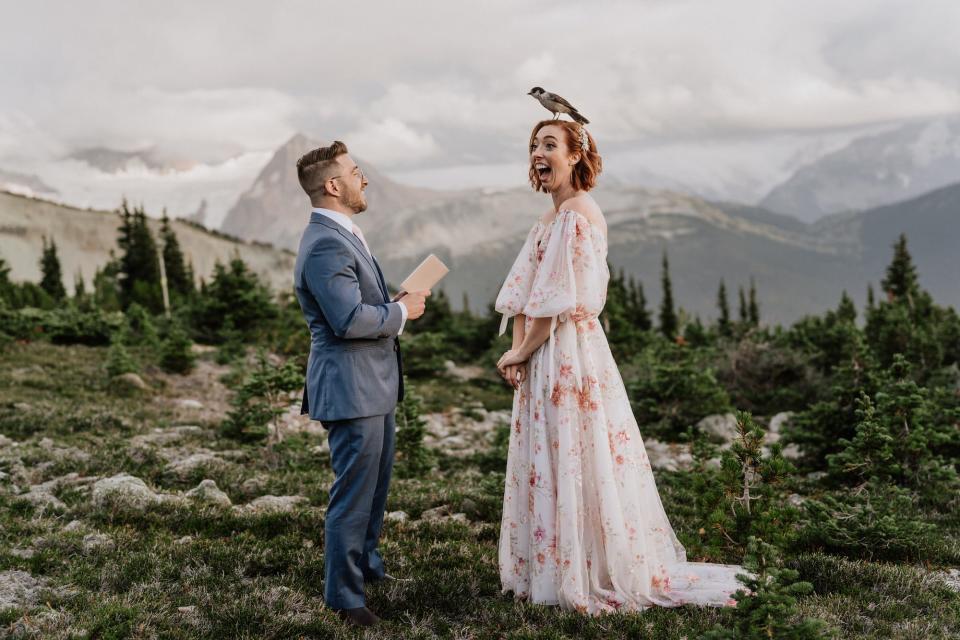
429, 273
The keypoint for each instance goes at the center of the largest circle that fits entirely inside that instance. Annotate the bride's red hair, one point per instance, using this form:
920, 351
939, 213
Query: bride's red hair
585, 172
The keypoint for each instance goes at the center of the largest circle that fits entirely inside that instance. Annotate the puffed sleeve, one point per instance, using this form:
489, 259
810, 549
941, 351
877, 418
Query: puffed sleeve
571, 277
516, 288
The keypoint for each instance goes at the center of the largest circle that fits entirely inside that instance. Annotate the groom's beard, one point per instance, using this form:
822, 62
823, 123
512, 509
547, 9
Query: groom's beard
355, 201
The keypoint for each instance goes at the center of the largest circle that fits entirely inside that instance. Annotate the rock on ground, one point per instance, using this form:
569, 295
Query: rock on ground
463, 432
124, 490
185, 467
96, 542
273, 504
442, 514
207, 492
668, 456
721, 428
19, 588
129, 382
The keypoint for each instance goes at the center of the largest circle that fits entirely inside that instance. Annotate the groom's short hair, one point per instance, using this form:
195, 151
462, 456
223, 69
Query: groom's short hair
314, 167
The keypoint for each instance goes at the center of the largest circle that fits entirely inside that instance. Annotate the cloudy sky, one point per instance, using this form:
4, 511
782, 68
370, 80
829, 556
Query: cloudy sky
434, 91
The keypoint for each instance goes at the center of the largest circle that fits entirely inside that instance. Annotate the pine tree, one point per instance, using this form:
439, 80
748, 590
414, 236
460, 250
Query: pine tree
175, 353
413, 458
139, 273
723, 323
6, 286
118, 358
638, 306
899, 438
235, 293
106, 286
744, 314
261, 399
668, 317
52, 277
79, 286
901, 282
179, 281
846, 312
766, 608
871, 302
753, 310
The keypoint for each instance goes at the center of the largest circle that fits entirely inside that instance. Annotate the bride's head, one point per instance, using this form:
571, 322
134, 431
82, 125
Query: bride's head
558, 157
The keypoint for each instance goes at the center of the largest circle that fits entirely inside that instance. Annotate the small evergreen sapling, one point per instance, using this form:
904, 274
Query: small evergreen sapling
262, 398
767, 608
413, 458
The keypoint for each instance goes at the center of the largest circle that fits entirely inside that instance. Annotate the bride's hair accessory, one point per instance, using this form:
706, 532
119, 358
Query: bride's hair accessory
584, 140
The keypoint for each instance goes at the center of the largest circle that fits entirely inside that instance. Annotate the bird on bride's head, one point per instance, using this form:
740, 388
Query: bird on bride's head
563, 155
557, 104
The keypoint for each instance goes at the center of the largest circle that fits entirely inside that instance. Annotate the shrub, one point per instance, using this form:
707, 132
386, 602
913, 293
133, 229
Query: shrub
745, 497
874, 520
176, 355
413, 458
766, 377
671, 388
767, 608
118, 358
261, 399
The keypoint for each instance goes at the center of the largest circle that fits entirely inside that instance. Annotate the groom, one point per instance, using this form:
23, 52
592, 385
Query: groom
354, 377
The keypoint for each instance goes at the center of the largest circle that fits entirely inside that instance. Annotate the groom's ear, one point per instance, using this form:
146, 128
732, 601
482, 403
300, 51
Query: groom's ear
332, 187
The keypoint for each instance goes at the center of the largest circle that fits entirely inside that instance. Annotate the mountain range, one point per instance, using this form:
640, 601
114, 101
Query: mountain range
798, 267
801, 262
873, 170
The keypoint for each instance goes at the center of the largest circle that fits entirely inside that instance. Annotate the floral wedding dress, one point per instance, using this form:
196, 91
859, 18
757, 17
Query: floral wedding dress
583, 525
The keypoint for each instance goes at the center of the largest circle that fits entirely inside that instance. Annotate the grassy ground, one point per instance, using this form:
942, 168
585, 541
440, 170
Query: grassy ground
182, 571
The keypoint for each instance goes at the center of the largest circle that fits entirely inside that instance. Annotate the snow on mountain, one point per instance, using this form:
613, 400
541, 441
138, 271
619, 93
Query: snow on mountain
899, 163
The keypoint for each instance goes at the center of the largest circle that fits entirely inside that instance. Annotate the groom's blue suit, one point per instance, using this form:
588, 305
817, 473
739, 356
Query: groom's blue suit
354, 381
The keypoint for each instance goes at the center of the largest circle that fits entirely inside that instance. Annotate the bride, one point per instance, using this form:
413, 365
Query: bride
583, 525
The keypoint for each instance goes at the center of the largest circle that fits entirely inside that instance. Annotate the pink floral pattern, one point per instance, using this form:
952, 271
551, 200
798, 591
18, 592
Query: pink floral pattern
583, 525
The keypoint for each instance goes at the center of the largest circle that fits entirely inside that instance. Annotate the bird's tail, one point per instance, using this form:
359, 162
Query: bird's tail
578, 118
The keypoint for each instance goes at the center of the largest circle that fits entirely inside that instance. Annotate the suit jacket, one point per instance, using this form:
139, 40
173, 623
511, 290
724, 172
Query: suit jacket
355, 368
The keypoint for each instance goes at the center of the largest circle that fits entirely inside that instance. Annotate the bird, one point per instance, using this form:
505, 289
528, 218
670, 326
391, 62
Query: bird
556, 104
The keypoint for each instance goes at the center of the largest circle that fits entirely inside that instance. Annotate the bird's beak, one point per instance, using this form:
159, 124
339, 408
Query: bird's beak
529, 93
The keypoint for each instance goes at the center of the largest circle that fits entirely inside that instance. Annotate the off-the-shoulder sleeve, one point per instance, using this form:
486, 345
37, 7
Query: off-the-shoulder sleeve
570, 277
516, 288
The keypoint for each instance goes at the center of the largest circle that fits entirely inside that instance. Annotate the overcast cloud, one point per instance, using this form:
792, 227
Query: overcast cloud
415, 86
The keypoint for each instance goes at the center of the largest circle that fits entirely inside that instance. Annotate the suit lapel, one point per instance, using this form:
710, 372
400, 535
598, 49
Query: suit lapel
355, 241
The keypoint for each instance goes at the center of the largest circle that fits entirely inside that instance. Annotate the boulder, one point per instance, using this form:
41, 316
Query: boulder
124, 490
207, 492
720, 428
668, 456
777, 422
128, 382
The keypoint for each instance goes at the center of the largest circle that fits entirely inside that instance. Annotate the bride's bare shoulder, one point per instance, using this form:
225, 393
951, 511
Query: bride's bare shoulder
585, 205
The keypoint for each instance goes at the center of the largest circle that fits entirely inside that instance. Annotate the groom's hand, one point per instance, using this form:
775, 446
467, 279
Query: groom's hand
415, 302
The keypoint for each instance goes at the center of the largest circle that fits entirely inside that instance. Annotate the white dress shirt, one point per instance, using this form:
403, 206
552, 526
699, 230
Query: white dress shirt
344, 221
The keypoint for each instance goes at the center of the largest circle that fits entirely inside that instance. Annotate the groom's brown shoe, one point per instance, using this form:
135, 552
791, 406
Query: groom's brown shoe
359, 617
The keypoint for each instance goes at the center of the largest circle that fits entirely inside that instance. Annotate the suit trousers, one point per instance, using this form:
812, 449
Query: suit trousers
361, 453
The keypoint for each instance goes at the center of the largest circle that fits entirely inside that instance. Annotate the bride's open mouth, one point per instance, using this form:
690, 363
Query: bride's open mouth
543, 170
